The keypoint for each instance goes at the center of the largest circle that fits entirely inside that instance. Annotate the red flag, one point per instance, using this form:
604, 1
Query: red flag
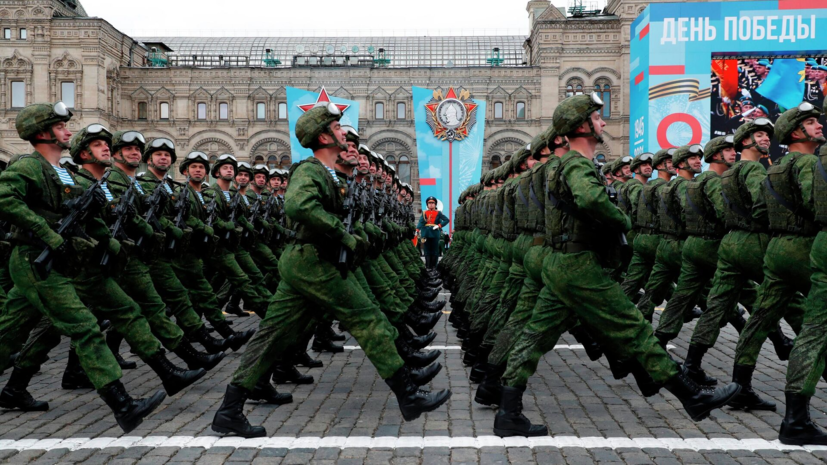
727, 72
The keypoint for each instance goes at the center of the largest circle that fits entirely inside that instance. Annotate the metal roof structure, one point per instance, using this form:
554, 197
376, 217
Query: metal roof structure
402, 52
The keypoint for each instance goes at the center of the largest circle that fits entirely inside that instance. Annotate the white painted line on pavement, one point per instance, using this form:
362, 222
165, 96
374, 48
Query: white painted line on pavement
557, 347
391, 442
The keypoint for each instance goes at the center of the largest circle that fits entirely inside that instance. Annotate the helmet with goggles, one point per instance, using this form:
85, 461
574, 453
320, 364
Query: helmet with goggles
640, 160
157, 145
195, 157
222, 160
715, 146
39, 118
315, 122
84, 137
572, 112
793, 119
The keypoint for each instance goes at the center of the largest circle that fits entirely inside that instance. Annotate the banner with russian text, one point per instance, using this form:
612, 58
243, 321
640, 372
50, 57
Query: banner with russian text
300, 100
699, 70
449, 140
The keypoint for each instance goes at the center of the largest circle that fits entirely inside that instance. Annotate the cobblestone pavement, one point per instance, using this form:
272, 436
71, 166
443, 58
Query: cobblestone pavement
348, 416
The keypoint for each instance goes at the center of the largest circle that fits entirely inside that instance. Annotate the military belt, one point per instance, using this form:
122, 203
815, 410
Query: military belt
671, 237
572, 247
646, 231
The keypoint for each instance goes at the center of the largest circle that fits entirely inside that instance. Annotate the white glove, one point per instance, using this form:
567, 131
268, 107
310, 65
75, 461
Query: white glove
435, 226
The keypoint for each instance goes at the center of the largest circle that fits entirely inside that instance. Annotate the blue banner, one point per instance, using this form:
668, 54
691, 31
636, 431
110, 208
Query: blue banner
300, 100
449, 143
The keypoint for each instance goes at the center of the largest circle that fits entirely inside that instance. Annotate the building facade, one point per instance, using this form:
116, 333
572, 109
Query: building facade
227, 95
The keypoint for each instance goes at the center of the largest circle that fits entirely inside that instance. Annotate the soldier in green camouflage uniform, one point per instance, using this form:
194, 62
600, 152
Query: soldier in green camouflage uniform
159, 155
312, 284
229, 227
581, 214
788, 194
807, 358
31, 195
628, 198
647, 238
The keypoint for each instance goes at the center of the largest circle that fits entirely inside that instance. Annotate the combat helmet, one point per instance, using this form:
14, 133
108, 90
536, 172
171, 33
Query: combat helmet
158, 144
81, 140
717, 144
195, 157
316, 121
225, 159
40, 117
685, 152
261, 169
662, 155
537, 144
520, 157
620, 163
793, 119
746, 131
573, 112
128, 138
640, 160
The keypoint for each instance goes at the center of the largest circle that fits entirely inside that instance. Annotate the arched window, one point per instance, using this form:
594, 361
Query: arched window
391, 160
259, 160
495, 162
603, 89
520, 110
403, 169
600, 158
286, 162
574, 86
498, 110
272, 162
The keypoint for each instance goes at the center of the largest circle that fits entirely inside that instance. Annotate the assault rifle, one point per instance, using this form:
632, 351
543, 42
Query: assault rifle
372, 201
154, 203
212, 211
268, 208
235, 203
363, 200
70, 225
181, 207
612, 193
123, 212
254, 213
350, 208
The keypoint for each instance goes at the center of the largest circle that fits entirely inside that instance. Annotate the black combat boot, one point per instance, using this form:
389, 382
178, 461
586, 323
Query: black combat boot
129, 412
237, 340
415, 358
267, 394
113, 340
230, 416
694, 356
286, 373
174, 379
195, 359
234, 306
620, 368
211, 345
480, 365
74, 377
648, 387
490, 390
423, 376
510, 420
428, 295
798, 429
303, 359
738, 322
698, 402
416, 342
692, 314
431, 282
413, 402
334, 336
15, 395
421, 323
781, 343
321, 342
583, 337
747, 399
430, 307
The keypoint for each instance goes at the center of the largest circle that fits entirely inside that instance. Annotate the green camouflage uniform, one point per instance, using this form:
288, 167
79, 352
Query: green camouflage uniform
312, 286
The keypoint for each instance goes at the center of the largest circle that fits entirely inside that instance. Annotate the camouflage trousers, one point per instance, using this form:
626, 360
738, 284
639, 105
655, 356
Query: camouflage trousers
249, 268
619, 273
382, 290
476, 266
490, 298
786, 272
393, 280
175, 295
310, 288
527, 300
666, 271
190, 271
511, 290
55, 298
225, 267
490, 263
807, 358
643, 260
578, 288
698, 263
5, 278
268, 263
109, 301
740, 257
